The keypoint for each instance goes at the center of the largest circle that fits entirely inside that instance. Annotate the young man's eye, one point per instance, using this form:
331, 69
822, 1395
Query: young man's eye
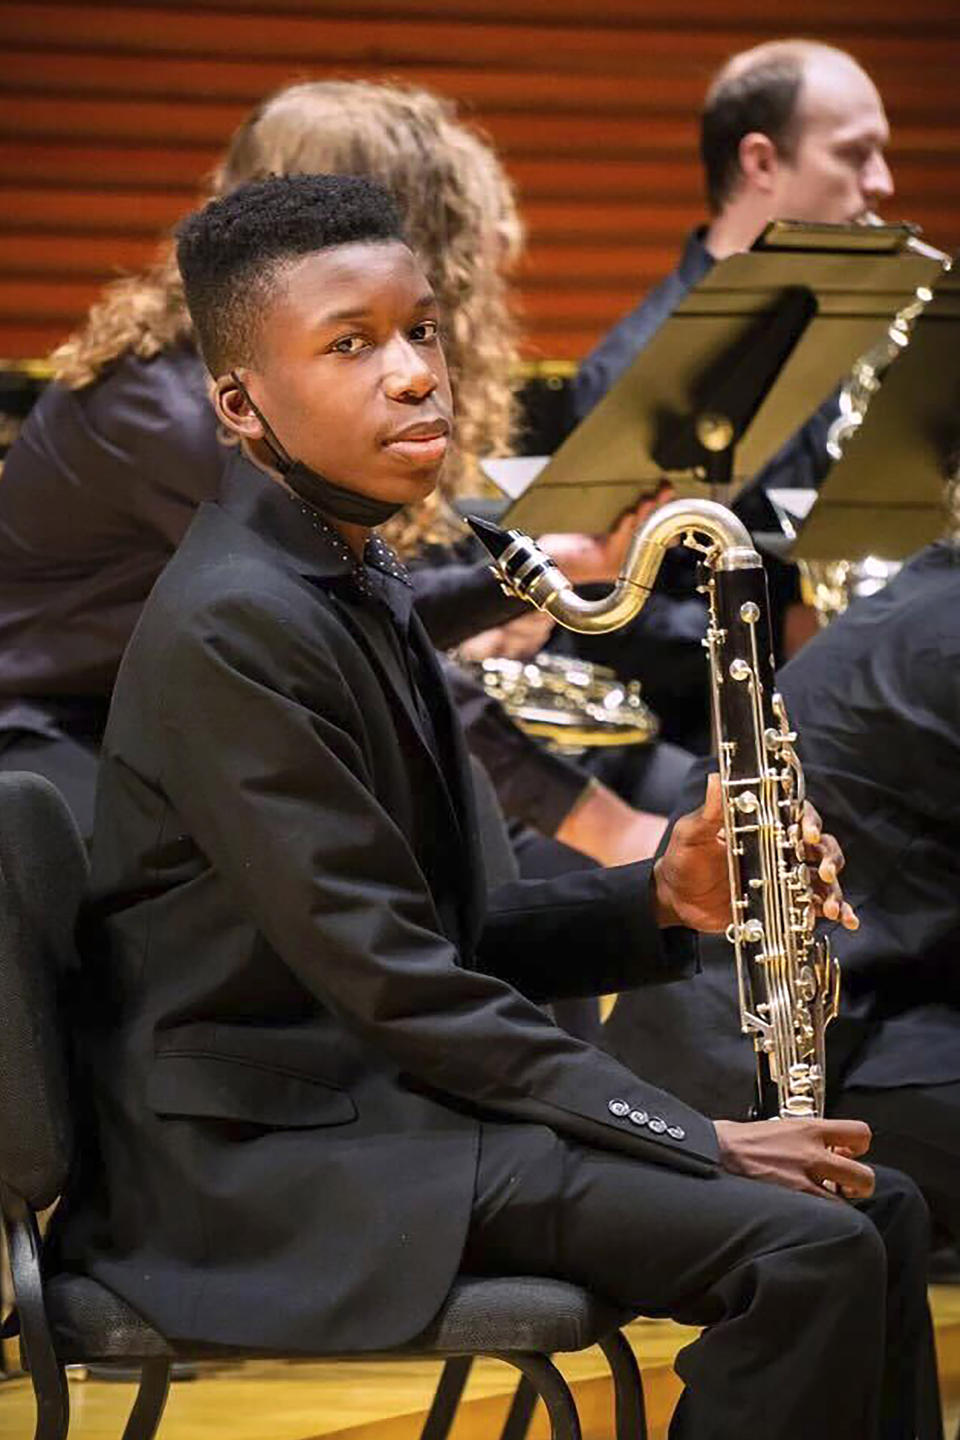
425, 331
348, 345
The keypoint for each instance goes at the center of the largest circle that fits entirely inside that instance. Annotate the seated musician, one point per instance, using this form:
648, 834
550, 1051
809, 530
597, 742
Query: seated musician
322, 1080
790, 130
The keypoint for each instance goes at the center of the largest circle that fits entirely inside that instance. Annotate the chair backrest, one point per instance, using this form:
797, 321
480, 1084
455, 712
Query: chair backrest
43, 871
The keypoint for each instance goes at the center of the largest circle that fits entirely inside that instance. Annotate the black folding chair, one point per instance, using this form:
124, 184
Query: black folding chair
69, 1318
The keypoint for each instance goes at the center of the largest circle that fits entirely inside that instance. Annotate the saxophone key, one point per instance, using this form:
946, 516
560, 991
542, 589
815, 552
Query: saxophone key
799, 1107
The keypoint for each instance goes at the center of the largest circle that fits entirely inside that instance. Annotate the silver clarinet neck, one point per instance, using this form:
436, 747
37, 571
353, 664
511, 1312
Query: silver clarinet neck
526, 571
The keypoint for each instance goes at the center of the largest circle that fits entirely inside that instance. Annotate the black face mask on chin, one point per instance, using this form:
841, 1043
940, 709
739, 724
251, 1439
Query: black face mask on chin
322, 494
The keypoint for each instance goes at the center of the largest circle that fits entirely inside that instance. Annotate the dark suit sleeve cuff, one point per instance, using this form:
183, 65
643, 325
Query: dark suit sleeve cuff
588, 932
657, 954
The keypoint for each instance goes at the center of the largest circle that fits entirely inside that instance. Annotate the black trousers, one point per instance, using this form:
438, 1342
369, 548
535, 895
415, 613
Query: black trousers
816, 1313
917, 1129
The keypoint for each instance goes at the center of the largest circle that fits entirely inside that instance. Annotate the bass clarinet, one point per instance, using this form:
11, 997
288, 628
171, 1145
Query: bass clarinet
787, 980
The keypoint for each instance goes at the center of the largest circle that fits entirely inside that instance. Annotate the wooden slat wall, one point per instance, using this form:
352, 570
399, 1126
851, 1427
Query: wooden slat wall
110, 115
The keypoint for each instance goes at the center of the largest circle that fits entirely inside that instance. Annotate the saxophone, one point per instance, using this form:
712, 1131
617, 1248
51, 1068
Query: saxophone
788, 983
830, 585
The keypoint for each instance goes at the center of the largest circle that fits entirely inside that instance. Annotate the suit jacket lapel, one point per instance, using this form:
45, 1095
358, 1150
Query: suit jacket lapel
303, 540
457, 780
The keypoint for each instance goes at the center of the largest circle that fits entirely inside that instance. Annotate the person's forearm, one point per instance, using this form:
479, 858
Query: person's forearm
609, 830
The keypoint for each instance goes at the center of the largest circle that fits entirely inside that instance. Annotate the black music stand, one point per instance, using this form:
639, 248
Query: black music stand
741, 363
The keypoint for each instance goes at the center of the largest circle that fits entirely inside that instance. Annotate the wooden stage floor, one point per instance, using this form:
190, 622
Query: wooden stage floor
367, 1401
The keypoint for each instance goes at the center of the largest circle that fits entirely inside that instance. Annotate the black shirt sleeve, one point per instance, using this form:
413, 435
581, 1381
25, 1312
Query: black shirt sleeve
456, 601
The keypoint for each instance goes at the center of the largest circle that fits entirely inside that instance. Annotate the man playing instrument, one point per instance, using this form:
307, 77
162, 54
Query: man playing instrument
791, 130
322, 1080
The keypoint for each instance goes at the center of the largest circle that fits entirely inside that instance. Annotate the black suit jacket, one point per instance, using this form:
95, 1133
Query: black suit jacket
299, 1005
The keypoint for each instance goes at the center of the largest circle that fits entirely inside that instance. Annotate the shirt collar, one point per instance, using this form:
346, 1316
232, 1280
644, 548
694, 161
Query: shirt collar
303, 534
696, 260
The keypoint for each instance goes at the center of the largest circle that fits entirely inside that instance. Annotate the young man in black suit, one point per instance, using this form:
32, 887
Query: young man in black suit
322, 1078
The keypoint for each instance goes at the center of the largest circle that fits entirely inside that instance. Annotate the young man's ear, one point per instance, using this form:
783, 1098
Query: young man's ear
759, 161
233, 408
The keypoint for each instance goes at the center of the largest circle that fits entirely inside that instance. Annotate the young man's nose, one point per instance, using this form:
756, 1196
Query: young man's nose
409, 376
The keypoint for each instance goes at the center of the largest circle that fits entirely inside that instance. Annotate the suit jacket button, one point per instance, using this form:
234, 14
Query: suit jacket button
638, 1117
618, 1108
676, 1132
657, 1125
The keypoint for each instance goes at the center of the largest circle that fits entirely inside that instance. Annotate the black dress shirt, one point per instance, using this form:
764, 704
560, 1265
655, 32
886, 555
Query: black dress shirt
97, 492
802, 463
617, 350
875, 700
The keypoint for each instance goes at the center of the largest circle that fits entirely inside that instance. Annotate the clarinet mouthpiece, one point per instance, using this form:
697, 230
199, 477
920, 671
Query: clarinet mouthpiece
491, 537
524, 570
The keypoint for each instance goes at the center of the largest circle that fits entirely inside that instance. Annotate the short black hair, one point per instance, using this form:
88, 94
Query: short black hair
231, 252
763, 97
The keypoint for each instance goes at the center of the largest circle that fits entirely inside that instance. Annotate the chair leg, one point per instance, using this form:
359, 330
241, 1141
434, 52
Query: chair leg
449, 1391
629, 1408
521, 1410
551, 1388
144, 1418
631, 1415
46, 1373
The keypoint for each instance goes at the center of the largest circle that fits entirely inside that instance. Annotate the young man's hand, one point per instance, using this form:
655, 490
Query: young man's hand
691, 881
800, 1154
519, 639
825, 859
